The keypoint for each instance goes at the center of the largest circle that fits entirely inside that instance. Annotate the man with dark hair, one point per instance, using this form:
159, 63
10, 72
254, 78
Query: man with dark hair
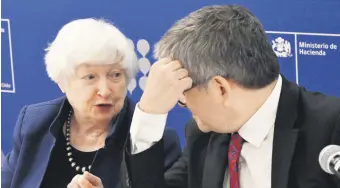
252, 128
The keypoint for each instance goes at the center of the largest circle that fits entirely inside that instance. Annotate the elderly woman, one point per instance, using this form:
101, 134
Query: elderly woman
78, 140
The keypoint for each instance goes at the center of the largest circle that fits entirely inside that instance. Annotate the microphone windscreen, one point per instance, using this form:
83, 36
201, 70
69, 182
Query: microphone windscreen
326, 155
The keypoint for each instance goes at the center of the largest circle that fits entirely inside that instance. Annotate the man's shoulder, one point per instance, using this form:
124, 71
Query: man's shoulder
318, 114
192, 132
170, 132
319, 104
170, 137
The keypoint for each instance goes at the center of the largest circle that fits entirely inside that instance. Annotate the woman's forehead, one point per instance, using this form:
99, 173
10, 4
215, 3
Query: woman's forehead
92, 66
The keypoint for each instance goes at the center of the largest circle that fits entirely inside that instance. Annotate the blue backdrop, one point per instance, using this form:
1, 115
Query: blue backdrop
304, 34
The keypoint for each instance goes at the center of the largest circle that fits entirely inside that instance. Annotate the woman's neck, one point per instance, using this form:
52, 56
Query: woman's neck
87, 135
87, 125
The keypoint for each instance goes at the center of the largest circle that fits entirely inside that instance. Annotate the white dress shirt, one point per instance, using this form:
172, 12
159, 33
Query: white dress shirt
146, 129
256, 153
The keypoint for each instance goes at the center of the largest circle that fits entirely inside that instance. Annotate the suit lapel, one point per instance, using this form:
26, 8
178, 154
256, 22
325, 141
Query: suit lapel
216, 161
285, 135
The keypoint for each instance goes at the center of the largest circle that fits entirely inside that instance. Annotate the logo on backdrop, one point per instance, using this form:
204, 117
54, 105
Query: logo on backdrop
144, 65
282, 47
7, 70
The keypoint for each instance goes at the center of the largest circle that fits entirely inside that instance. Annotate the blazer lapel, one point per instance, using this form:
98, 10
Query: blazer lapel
43, 148
216, 161
35, 160
39, 164
285, 135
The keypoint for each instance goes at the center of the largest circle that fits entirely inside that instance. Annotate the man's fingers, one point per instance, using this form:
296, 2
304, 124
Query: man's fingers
185, 84
174, 65
164, 61
181, 73
94, 180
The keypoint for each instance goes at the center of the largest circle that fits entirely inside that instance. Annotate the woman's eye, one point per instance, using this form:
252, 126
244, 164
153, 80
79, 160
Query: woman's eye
89, 77
115, 74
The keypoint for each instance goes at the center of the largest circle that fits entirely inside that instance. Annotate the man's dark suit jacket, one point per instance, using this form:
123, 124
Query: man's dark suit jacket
35, 134
306, 122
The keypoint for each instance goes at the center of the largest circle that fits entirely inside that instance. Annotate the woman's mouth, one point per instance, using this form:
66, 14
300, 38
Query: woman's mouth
104, 107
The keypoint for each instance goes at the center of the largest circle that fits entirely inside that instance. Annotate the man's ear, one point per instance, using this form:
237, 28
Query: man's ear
222, 84
223, 88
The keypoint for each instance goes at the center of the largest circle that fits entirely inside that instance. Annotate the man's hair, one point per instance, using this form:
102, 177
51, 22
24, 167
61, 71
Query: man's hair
224, 40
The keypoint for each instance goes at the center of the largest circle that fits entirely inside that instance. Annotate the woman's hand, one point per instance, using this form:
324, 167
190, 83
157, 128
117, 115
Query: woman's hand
87, 180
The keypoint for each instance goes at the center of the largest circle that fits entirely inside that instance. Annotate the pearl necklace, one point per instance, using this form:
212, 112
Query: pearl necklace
69, 151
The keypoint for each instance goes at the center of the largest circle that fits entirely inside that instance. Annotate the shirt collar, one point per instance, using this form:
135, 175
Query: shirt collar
255, 130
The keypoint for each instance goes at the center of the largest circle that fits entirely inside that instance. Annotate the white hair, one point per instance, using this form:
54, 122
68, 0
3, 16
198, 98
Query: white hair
90, 41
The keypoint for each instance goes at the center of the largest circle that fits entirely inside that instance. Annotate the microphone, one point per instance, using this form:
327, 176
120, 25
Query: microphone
329, 159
